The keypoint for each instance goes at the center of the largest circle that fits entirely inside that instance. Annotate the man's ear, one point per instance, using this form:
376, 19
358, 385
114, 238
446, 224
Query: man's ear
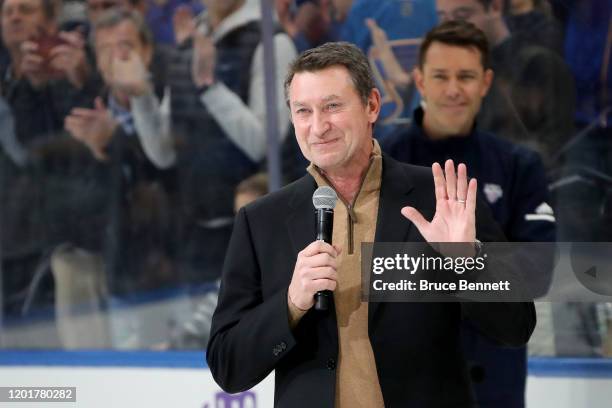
488, 80
419, 79
374, 103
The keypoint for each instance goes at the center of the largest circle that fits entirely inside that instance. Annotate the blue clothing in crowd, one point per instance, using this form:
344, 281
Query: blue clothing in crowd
587, 36
401, 20
159, 18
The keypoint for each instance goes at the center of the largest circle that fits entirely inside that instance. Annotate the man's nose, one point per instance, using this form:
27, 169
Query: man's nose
453, 88
320, 124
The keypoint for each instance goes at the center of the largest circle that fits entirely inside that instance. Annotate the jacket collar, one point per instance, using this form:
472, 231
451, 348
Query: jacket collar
394, 194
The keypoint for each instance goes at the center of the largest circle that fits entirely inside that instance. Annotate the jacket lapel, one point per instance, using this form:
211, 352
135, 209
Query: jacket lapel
396, 192
301, 219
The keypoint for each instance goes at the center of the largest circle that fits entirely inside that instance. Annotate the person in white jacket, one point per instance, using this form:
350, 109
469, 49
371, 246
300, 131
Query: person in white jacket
219, 121
124, 50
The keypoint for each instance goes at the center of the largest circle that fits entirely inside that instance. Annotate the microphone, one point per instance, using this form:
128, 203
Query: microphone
324, 200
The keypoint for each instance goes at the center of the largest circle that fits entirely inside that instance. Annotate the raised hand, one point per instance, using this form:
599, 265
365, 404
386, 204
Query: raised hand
33, 64
286, 20
204, 60
129, 74
183, 24
382, 49
92, 127
455, 217
69, 58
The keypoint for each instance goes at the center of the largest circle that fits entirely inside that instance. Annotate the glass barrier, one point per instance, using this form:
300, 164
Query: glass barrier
129, 140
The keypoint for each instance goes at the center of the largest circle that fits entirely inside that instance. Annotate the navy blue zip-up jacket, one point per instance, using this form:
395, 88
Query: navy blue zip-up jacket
513, 182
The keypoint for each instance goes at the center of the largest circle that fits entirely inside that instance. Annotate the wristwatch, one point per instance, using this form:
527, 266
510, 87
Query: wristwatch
479, 248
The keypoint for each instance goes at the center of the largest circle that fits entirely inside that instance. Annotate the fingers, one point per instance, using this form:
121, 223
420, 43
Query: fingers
321, 272
84, 113
378, 34
324, 284
371, 24
462, 184
450, 185
99, 104
315, 270
32, 62
439, 182
61, 50
472, 193
416, 218
183, 19
29, 47
72, 38
31, 57
320, 260
317, 247
451, 180
71, 46
74, 125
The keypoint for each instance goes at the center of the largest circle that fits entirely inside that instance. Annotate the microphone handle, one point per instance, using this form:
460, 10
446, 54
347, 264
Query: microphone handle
325, 226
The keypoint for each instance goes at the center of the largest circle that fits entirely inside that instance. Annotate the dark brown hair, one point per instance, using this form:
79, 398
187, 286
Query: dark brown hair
333, 54
457, 33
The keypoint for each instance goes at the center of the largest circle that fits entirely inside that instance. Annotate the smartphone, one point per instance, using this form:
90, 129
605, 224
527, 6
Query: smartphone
45, 44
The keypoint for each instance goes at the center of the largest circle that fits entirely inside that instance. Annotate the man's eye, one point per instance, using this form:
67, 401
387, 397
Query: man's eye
27, 9
301, 111
332, 106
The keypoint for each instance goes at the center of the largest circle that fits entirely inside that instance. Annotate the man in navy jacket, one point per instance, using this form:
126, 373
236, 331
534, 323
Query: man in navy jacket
453, 77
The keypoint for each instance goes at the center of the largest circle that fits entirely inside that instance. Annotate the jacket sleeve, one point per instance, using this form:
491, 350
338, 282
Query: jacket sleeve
250, 333
534, 219
245, 124
152, 121
506, 323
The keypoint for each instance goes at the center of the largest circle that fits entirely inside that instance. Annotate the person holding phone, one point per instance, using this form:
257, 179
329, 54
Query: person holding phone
47, 71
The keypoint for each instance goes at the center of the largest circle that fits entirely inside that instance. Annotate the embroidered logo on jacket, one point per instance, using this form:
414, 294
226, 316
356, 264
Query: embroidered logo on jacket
543, 212
493, 192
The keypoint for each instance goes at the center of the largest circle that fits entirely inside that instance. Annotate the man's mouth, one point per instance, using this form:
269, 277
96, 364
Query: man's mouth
454, 105
324, 143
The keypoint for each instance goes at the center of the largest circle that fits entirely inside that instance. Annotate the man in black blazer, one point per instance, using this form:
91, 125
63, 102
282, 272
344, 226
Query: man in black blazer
356, 353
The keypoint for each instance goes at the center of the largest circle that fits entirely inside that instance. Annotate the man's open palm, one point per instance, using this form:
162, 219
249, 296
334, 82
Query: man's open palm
454, 220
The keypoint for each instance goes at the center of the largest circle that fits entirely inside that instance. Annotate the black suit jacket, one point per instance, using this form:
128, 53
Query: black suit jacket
416, 345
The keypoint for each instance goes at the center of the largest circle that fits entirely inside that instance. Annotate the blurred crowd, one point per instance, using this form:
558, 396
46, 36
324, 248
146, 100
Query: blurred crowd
132, 130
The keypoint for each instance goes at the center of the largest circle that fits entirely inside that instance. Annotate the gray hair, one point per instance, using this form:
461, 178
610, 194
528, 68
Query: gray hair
116, 16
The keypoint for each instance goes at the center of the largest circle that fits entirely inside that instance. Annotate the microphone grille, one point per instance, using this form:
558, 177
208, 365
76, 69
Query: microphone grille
324, 198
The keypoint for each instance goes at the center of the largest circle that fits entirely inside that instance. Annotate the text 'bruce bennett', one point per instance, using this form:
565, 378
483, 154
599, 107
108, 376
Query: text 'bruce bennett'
425, 285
